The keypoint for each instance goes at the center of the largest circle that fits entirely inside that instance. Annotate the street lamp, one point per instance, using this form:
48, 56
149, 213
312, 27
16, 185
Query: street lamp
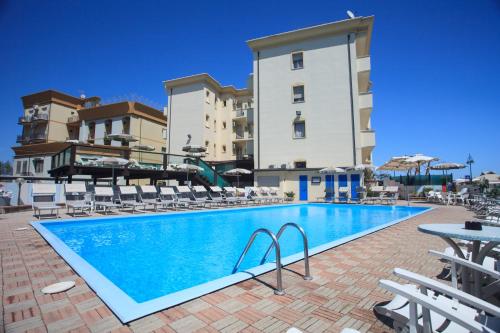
469, 161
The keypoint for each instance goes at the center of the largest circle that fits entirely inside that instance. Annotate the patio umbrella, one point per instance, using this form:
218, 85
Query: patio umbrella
362, 167
421, 159
400, 164
112, 161
144, 147
188, 168
331, 169
237, 172
194, 149
447, 166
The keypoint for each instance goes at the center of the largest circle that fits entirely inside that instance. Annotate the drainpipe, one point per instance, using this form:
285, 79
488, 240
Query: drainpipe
169, 119
352, 99
258, 110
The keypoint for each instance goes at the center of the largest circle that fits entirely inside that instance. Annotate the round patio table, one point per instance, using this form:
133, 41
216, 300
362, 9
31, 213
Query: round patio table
448, 232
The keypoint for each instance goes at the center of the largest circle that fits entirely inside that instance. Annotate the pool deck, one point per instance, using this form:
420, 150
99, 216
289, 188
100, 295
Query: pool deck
342, 293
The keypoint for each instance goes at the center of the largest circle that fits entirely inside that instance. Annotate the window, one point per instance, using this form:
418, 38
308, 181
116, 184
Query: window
215, 125
18, 167
164, 133
297, 60
207, 93
207, 143
163, 149
300, 164
207, 117
225, 103
223, 148
224, 125
38, 166
25, 167
299, 129
298, 94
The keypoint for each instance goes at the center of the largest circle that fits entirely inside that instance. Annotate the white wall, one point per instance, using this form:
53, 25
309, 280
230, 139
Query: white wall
326, 110
187, 116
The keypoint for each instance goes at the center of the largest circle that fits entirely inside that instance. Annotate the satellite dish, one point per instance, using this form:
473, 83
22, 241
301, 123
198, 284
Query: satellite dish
350, 14
82, 96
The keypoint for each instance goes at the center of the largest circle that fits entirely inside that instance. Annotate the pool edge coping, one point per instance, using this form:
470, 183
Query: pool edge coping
127, 309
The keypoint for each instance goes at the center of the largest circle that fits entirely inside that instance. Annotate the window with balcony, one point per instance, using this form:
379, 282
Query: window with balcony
299, 129
300, 164
298, 93
38, 165
297, 60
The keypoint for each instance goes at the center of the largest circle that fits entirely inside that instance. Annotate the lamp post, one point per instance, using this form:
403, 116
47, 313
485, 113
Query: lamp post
469, 161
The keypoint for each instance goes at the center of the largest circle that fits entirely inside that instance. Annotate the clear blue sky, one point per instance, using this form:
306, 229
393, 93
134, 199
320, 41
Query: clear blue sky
435, 64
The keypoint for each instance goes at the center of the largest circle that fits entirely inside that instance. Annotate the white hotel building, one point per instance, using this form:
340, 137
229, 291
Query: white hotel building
311, 107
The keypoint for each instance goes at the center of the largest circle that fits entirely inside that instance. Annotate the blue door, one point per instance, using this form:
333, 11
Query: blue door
354, 185
303, 188
329, 188
343, 183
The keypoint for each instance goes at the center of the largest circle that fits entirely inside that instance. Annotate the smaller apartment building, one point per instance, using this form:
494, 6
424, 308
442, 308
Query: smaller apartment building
52, 121
215, 116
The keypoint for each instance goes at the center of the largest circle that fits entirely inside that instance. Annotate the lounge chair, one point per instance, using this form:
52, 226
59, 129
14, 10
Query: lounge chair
168, 197
391, 195
428, 308
104, 199
216, 195
75, 199
377, 195
488, 277
200, 195
129, 198
263, 193
343, 194
44, 199
185, 197
230, 195
149, 196
241, 195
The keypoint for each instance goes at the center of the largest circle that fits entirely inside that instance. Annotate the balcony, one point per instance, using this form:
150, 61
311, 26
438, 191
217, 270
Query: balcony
364, 68
365, 101
37, 137
367, 138
73, 119
33, 118
22, 139
241, 114
242, 136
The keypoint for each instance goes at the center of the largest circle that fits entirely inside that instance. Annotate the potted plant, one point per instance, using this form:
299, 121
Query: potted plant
289, 196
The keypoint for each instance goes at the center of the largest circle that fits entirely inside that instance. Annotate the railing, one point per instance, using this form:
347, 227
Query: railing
307, 272
422, 180
38, 136
30, 118
73, 119
279, 282
85, 155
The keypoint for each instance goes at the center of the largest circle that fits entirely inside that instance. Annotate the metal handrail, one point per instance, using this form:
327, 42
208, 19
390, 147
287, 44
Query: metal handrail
279, 284
307, 275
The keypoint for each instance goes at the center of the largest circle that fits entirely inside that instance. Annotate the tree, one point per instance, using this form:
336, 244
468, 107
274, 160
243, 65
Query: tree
7, 168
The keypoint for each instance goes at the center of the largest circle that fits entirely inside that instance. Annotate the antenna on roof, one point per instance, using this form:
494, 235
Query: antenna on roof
350, 14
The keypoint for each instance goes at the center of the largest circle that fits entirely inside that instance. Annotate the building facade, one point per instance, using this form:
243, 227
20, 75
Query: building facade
313, 104
309, 107
202, 111
52, 121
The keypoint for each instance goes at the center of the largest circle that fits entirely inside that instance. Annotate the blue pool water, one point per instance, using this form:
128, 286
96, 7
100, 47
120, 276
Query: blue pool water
151, 256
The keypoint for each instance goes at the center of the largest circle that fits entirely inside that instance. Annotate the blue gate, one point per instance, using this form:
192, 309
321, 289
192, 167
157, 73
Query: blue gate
303, 188
329, 188
355, 182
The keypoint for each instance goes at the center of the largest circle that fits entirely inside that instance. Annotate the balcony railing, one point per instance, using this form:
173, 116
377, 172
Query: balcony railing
21, 139
73, 119
32, 118
38, 136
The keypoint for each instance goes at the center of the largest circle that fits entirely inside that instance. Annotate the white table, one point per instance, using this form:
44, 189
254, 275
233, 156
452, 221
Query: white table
448, 232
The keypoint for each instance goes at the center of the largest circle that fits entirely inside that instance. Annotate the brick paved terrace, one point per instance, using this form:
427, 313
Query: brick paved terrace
342, 294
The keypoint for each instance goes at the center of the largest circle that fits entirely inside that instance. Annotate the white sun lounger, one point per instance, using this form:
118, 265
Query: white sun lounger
103, 199
273, 191
230, 195
216, 195
168, 197
149, 196
129, 198
75, 198
44, 199
200, 194
184, 197
427, 308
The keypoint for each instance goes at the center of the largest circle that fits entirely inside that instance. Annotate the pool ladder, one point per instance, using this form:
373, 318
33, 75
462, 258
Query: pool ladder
275, 243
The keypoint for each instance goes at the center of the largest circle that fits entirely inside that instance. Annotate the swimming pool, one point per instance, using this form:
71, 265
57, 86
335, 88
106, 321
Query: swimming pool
144, 263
